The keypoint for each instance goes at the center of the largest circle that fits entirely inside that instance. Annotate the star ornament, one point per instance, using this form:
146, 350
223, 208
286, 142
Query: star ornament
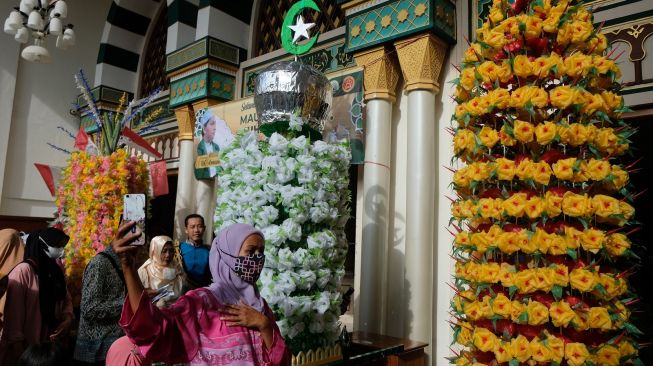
300, 29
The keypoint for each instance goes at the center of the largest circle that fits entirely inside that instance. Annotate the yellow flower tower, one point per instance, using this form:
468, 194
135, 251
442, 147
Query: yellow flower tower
542, 210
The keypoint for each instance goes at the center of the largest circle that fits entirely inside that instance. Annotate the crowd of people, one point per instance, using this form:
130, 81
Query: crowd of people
190, 304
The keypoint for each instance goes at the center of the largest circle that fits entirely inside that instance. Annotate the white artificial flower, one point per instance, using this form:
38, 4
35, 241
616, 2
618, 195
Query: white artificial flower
295, 329
292, 229
317, 324
300, 144
285, 260
306, 279
322, 304
278, 144
295, 123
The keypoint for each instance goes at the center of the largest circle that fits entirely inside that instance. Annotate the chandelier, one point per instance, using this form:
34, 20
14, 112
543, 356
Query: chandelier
40, 18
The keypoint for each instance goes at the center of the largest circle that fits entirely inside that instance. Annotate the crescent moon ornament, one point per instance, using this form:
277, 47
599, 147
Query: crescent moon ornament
288, 41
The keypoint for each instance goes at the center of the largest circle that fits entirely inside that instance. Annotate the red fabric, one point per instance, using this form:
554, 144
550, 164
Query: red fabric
81, 141
159, 178
49, 176
138, 140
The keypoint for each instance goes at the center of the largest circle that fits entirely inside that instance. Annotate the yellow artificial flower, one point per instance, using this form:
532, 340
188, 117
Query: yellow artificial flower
617, 244
464, 140
580, 31
467, 78
496, 15
508, 242
562, 96
485, 340
575, 205
514, 206
542, 173
545, 132
525, 281
612, 101
506, 274
582, 280
537, 312
626, 349
465, 334
505, 138
575, 135
553, 204
557, 245
489, 272
488, 136
502, 306
576, 354
528, 246
533, 27
520, 348
598, 169
505, 169
499, 98
608, 356
539, 351
534, 207
525, 169
481, 241
473, 310
522, 66
561, 314
461, 177
503, 352
592, 240
604, 206
620, 178
517, 309
523, 131
472, 53
540, 241
599, 318
593, 103
557, 347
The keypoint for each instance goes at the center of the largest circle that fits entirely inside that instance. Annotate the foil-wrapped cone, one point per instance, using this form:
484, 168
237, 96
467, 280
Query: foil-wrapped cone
290, 88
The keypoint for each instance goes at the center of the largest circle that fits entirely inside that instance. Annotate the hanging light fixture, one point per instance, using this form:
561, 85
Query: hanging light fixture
40, 18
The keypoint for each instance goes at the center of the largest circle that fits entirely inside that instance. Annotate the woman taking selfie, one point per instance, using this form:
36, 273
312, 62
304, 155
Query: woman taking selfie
226, 323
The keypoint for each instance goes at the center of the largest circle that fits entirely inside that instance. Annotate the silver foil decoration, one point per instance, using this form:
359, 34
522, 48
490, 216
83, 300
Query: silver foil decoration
290, 88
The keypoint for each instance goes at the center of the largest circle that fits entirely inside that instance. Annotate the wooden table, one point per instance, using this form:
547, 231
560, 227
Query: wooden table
401, 352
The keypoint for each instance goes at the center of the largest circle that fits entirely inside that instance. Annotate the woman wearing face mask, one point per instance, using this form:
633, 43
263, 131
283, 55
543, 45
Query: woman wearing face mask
38, 305
227, 323
162, 269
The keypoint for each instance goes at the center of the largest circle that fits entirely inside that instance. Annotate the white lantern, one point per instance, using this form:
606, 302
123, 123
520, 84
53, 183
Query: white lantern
15, 19
36, 53
61, 8
30, 4
44, 3
8, 28
34, 20
55, 26
60, 42
25, 8
22, 34
69, 37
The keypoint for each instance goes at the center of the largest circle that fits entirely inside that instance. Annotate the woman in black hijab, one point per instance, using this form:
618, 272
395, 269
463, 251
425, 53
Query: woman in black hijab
38, 306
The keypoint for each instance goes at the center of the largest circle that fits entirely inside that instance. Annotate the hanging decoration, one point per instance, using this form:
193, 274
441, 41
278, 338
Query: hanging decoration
544, 208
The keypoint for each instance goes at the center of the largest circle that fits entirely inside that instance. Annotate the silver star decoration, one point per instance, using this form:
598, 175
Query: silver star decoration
300, 29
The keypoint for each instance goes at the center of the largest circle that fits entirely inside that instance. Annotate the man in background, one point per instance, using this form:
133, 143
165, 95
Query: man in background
194, 254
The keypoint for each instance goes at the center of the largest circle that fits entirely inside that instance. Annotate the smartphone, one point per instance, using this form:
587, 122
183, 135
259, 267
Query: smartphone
134, 210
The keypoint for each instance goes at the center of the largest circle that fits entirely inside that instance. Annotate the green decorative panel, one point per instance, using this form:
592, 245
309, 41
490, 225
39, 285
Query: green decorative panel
139, 121
188, 89
204, 84
396, 19
187, 55
479, 10
105, 94
326, 59
221, 86
204, 48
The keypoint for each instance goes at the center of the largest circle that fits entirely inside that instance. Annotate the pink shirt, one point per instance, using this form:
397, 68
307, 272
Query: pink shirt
23, 312
191, 331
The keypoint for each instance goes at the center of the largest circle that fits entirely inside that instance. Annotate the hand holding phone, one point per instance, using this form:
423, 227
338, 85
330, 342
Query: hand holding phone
134, 210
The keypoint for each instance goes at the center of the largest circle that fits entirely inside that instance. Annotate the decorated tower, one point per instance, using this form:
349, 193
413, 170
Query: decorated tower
543, 208
293, 186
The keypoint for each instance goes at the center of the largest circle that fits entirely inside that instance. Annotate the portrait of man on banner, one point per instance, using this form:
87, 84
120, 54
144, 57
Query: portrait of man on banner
211, 132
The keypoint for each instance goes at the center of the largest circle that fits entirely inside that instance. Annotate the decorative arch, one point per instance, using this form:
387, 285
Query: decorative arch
123, 41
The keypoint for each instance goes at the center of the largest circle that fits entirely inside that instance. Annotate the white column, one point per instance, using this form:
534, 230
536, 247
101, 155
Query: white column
420, 213
185, 201
380, 81
205, 203
376, 187
420, 59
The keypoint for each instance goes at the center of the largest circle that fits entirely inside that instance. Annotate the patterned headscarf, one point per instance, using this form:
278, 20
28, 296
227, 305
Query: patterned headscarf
227, 286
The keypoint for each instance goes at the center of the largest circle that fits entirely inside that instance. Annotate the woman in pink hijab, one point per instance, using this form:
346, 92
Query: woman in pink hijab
227, 323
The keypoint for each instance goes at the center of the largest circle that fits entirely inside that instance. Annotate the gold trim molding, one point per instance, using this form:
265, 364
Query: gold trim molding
380, 73
186, 121
421, 60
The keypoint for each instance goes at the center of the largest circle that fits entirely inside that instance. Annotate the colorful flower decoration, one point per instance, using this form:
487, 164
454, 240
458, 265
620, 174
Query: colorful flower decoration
544, 202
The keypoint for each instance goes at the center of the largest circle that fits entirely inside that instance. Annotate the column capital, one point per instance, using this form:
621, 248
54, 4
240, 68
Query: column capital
421, 60
380, 73
186, 121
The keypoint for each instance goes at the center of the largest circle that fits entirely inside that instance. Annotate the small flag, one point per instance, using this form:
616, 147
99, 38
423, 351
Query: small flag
84, 143
140, 142
51, 175
158, 178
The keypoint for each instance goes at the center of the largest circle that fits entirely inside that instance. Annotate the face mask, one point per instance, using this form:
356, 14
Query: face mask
52, 252
249, 267
169, 273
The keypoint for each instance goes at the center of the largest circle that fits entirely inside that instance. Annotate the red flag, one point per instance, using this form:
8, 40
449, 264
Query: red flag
81, 141
139, 141
51, 176
159, 178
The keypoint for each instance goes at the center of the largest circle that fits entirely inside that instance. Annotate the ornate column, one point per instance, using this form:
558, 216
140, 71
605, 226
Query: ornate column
420, 59
380, 81
185, 202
